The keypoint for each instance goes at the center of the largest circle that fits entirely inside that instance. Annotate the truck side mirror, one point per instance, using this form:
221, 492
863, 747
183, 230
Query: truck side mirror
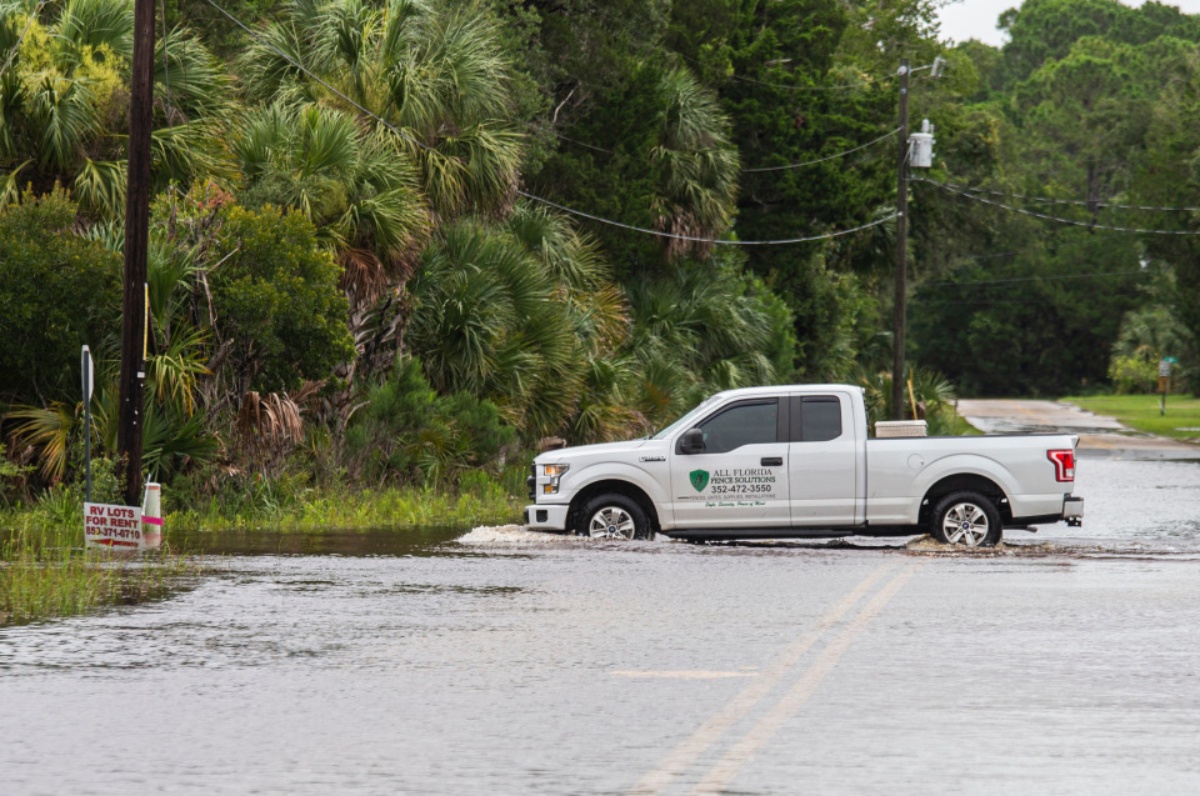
692, 441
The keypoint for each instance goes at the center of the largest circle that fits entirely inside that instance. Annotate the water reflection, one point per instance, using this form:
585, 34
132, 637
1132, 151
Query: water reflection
368, 542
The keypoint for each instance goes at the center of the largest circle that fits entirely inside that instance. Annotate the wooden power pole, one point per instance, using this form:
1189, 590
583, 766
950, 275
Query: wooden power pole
898, 377
137, 239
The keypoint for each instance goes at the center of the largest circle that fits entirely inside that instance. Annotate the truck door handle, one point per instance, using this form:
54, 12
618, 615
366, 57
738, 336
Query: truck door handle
772, 461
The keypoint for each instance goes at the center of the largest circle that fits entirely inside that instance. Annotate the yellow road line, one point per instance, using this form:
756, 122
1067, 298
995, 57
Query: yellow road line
684, 755
720, 775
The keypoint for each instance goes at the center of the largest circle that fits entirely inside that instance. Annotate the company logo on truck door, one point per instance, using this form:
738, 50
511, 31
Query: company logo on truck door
758, 482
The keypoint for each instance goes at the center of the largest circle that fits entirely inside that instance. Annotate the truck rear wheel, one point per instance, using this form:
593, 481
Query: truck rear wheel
613, 516
966, 518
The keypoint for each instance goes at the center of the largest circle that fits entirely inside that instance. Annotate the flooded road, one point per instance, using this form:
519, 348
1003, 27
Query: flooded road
507, 662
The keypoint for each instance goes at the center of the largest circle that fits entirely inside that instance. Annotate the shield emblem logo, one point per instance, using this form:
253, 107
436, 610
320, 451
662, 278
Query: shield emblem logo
699, 479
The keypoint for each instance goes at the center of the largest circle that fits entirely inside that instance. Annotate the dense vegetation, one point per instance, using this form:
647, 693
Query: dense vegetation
365, 270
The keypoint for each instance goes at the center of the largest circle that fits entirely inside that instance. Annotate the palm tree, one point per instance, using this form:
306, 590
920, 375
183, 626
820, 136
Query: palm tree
489, 322
696, 330
696, 191
63, 109
434, 72
348, 181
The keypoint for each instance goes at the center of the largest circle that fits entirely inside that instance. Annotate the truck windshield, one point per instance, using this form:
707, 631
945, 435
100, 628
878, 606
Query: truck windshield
687, 417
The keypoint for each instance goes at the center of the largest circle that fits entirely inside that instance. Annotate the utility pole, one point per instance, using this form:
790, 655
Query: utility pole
137, 235
901, 251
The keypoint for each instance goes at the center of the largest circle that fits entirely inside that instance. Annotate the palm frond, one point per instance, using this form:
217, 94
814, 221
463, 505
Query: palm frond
63, 110
47, 431
93, 23
100, 187
10, 191
172, 374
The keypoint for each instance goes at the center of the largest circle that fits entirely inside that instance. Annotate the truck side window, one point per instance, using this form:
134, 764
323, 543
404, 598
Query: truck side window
816, 418
747, 423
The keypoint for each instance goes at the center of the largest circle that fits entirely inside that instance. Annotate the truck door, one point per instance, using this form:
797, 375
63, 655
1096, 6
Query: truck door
823, 462
739, 479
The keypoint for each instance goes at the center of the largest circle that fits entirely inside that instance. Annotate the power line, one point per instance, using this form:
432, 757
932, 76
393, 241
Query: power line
1056, 219
715, 241
533, 197
576, 142
784, 86
1047, 200
785, 167
870, 143
986, 282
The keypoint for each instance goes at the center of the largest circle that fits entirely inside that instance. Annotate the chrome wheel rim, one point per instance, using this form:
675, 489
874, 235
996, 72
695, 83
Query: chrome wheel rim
966, 524
611, 522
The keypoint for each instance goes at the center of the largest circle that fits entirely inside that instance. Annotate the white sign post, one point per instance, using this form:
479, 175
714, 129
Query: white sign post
111, 526
88, 369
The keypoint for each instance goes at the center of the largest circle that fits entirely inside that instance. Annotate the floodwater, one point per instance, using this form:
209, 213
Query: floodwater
500, 661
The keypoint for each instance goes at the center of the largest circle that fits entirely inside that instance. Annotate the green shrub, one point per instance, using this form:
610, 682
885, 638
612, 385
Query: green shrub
1133, 375
407, 432
58, 292
277, 298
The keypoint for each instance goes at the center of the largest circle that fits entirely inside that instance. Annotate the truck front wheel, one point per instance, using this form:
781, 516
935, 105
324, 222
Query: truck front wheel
966, 518
613, 516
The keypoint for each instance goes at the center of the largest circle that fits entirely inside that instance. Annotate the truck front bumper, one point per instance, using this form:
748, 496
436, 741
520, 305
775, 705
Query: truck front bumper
546, 517
1073, 510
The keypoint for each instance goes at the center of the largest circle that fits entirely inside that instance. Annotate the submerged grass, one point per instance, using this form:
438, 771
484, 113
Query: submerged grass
314, 511
45, 573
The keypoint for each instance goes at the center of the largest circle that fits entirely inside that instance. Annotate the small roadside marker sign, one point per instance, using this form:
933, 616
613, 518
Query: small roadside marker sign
111, 526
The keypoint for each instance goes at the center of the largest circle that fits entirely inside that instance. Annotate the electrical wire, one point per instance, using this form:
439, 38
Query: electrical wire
1051, 201
785, 167
166, 60
784, 86
562, 137
870, 143
533, 197
715, 241
986, 282
1056, 219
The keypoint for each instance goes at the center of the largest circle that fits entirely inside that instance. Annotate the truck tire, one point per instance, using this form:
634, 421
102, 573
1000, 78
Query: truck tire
966, 518
613, 516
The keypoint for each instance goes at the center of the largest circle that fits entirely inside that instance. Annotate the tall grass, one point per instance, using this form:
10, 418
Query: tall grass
44, 572
396, 508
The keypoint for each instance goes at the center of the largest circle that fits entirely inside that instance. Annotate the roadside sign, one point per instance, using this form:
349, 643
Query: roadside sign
87, 369
112, 526
1164, 367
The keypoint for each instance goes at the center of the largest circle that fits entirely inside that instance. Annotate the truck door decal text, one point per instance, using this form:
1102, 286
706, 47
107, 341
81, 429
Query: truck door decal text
734, 487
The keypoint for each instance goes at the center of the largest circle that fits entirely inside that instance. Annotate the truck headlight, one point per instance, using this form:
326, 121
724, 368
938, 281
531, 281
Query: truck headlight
554, 472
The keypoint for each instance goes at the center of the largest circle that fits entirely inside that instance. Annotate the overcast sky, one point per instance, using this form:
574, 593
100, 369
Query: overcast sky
976, 19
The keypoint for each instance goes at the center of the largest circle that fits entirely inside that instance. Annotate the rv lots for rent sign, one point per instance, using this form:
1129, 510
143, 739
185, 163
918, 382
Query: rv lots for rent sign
112, 526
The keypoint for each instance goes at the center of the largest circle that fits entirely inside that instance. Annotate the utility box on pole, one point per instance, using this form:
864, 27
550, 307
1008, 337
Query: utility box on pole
922, 147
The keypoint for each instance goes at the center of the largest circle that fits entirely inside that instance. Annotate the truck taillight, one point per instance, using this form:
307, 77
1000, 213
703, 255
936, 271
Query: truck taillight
1064, 464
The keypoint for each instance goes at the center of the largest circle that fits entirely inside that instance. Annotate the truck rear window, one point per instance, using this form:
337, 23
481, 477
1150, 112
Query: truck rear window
816, 418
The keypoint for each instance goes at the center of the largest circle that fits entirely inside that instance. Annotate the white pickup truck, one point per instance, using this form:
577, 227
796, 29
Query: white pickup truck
795, 461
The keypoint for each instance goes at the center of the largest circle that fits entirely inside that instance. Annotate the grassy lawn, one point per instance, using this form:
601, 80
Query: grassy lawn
1141, 412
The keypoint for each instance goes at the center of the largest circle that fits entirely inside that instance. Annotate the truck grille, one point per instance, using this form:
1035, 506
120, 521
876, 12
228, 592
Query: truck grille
531, 482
